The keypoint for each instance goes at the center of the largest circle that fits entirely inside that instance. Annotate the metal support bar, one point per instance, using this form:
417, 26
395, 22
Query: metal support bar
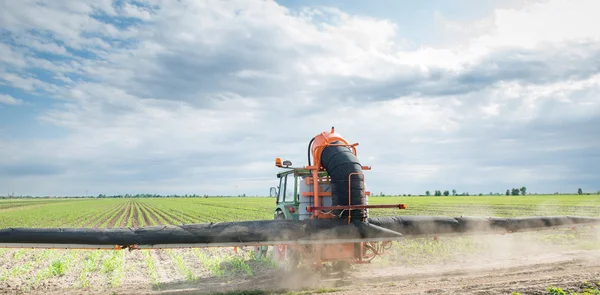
327, 208
194, 245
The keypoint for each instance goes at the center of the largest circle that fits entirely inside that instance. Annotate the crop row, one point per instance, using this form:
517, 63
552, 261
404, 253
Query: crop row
23, 270
135, 213
502, 206
159, 211
71, 213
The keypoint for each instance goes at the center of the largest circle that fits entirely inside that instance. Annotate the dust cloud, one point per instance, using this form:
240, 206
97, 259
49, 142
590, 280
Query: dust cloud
478, 253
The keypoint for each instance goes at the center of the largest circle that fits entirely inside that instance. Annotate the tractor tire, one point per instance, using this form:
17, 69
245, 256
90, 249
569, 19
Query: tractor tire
280, 215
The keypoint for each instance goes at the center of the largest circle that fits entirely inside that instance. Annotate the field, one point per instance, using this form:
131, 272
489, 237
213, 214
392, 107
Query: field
222, 269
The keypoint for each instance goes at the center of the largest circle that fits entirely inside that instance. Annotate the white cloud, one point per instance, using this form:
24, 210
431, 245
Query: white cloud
533, 24
10, 57
545, 22
202, 96
9, 100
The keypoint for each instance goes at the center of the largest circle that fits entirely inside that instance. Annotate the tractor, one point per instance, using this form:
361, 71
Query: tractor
331, 186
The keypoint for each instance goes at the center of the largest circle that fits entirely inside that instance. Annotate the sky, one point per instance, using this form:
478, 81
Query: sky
200, 97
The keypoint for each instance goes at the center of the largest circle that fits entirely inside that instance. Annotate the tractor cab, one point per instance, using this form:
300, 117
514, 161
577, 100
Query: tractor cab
286, 195
289, 193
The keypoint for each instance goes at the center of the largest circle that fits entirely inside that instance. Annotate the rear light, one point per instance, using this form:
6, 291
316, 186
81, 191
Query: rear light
292, 209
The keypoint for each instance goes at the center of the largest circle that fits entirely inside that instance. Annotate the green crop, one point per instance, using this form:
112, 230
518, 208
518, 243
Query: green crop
102, 270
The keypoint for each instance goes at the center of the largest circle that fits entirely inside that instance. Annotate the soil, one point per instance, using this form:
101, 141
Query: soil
130, 204
149, 218
97, 221
135, 220
528, 275
510, 266
174, 219
113, 220
92, 218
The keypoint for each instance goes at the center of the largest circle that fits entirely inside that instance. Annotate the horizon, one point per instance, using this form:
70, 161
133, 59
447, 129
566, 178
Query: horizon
100, 196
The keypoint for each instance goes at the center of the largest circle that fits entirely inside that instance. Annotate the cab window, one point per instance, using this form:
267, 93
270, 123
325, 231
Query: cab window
281, 189
286, 188
289, 188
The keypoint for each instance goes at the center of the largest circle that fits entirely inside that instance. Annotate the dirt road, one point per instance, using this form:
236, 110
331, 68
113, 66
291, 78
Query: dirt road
527, 275
530, 274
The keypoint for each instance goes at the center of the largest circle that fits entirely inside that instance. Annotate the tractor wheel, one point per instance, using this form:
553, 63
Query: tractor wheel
280, 215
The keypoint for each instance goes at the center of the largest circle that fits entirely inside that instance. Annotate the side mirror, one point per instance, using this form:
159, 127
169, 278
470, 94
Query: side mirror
273, 192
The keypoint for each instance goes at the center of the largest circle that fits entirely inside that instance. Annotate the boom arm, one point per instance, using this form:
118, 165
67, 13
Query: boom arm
274, 232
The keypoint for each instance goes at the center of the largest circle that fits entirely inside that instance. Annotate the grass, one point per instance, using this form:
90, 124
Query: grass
109, 269
90, 265
181, 266
211, 261
585, 288
151, 268
113, 267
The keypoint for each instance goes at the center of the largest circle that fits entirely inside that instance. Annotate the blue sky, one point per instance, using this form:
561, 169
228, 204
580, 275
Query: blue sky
201, 96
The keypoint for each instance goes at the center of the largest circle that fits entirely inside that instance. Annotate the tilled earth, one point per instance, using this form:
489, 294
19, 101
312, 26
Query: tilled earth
527, 275
502, 265
530, 274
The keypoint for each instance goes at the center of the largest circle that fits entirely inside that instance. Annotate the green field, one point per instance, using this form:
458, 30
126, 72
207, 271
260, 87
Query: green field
157, 211
501, 206
26, 269
130, 212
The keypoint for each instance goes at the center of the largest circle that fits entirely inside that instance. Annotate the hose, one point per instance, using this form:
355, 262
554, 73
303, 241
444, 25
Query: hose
309, 144
345, 172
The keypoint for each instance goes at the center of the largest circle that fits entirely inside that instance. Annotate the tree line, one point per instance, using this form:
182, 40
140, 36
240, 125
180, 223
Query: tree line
509, 192
513, 192
516, 191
